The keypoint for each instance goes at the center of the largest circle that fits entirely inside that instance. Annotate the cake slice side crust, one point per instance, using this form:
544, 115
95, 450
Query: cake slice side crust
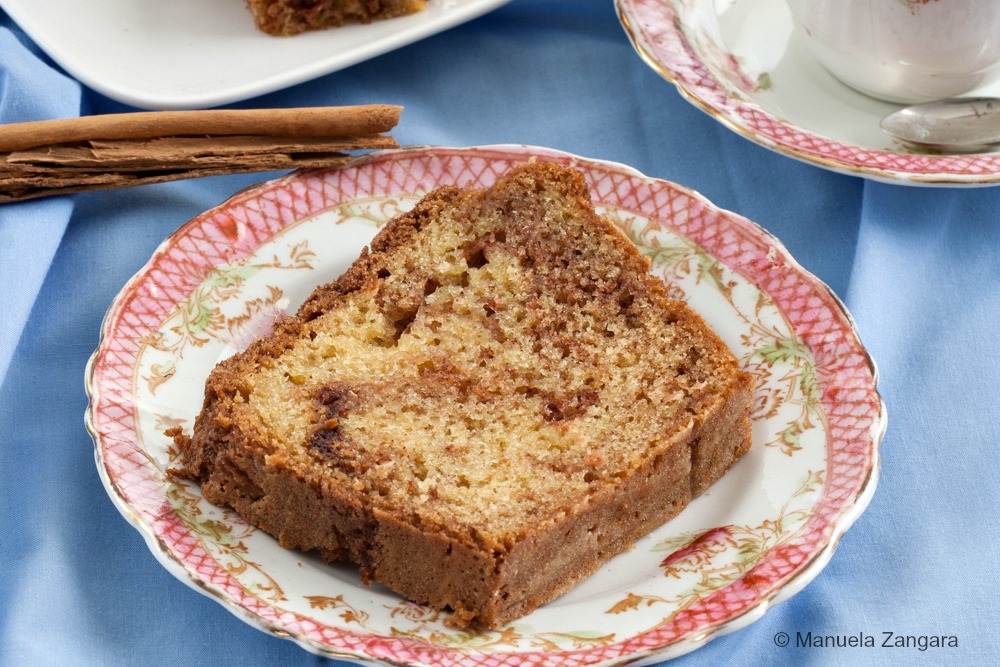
291, 17
493, 401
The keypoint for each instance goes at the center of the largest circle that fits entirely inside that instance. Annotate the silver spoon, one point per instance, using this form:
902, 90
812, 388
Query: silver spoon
958, 125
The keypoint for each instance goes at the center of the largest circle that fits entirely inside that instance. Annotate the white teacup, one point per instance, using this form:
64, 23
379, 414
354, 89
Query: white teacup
904, 50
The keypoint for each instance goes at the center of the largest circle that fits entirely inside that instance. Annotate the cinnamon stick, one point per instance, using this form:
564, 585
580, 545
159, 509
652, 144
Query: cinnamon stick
303, 122
180, 152
118, 150
29, 187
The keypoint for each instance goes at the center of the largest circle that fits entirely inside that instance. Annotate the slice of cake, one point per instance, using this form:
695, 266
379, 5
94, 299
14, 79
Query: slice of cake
290, 17
489, 404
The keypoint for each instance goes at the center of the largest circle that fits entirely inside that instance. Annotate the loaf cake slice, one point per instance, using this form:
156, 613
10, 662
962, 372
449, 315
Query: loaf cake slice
291, 17
488, 405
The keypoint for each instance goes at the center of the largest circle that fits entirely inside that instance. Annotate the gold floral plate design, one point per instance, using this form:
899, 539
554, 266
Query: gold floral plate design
758, 536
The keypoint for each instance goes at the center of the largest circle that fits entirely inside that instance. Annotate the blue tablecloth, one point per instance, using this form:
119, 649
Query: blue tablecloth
919, 268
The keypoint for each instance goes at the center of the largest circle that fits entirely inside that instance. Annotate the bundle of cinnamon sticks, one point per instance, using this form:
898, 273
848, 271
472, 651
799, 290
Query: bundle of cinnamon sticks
118, 150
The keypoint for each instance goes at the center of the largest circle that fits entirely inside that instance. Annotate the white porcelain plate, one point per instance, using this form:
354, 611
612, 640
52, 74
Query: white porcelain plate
198, 53
742, 62
757, 536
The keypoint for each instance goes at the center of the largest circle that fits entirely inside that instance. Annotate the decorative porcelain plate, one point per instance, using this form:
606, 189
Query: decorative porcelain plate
758, 536
193, 53
742, 62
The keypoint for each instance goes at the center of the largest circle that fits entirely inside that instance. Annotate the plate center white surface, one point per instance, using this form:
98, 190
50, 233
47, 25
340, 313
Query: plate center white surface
201, 53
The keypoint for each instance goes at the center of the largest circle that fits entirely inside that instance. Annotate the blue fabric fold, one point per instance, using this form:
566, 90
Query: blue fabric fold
30, 232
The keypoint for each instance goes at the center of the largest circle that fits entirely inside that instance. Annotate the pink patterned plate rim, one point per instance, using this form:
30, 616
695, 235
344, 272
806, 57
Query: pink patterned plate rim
757, 537
743, 63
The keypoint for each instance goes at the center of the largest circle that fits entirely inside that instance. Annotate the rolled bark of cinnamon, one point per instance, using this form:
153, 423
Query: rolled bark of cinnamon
42, 158
303, 122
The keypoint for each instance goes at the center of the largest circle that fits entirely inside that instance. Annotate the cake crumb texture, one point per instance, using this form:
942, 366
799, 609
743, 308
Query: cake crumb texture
291, 17
495, 399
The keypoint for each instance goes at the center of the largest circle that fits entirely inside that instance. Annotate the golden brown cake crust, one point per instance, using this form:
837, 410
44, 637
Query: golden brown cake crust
492, 401
291, 17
